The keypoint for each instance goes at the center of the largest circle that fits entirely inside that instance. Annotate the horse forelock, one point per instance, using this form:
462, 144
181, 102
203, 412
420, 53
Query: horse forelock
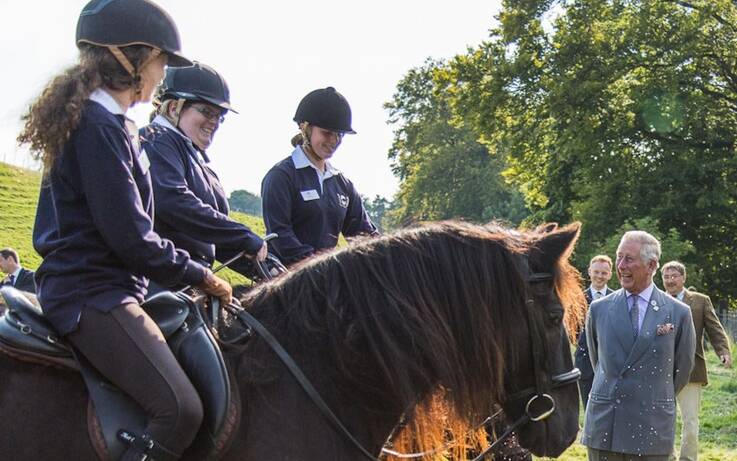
397, 319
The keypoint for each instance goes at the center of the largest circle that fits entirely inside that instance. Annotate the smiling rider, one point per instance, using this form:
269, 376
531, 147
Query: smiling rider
306, 200
191, 204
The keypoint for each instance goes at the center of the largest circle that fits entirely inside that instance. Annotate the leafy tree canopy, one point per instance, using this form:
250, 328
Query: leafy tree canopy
444, 171
612, 111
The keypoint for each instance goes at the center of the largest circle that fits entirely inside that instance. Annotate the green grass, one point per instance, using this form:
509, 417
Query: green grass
717, 418
256, 224
18, 199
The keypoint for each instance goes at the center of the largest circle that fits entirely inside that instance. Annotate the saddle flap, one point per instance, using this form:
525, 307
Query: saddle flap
24, 327
16, 301
113, 408
169, 310
202, 361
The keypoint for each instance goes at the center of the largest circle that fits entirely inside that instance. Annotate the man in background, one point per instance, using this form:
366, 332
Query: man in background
704, 318
600, 272
642, 345
17, 276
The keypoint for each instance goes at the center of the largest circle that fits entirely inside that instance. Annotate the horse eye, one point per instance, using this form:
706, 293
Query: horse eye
555, 317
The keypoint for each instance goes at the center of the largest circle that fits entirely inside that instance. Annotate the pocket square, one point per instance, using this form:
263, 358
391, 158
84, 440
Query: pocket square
665, 329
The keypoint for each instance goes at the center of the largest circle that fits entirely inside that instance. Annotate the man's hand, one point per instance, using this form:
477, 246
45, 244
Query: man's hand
726, 360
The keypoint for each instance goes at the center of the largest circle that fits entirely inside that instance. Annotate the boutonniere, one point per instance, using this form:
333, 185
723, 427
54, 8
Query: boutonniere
665, 329
655, 305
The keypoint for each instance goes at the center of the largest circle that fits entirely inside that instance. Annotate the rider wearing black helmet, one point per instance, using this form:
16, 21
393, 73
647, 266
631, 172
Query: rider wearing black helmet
191, 205
94, 225
307, 201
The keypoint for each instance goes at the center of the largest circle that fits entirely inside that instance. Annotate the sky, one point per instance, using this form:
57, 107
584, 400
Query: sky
271, 54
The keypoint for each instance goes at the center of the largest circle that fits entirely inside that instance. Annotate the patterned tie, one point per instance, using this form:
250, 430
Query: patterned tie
12, 279
597, 294
634, 316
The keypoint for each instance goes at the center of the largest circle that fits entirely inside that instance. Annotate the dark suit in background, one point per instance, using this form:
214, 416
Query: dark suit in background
23, 282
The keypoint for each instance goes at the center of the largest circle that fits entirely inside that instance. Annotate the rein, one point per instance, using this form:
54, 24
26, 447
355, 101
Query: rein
539, 392
288, 361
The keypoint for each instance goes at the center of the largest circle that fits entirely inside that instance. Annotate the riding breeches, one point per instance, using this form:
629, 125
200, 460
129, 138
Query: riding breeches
127, 347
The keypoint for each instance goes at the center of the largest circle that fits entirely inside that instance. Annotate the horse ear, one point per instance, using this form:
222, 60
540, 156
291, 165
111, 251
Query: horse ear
557, 244
546, 228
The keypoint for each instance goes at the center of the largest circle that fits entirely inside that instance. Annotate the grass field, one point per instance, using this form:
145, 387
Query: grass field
718, 417
18, 198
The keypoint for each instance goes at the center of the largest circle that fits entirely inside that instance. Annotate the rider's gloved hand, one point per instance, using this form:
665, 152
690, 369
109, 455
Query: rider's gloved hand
215, 286
261, 255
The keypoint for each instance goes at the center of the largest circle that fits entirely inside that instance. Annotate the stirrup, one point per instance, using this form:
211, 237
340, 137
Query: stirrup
149, 449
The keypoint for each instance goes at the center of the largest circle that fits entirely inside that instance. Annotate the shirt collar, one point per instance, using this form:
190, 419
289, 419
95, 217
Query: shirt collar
301, 161
16, 273
602, 291
165, 123
162, 121
644, 294
107, 101
681, 294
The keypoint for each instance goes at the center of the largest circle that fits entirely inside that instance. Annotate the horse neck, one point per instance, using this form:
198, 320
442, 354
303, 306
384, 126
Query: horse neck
279, 421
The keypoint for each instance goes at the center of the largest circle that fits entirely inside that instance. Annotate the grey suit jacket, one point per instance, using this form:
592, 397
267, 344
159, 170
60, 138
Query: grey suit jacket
632, 405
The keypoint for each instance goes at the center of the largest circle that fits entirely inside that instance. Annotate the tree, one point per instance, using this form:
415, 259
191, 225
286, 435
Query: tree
615, 111
444, 171
377, 209
245, 202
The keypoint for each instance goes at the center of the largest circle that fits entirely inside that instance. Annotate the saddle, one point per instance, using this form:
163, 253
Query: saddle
26, 334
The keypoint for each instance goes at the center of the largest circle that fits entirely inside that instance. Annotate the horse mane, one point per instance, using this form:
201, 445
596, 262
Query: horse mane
424, 312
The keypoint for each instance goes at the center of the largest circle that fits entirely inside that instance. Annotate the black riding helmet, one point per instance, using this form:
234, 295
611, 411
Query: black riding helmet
327, 109
196, 83
120, 23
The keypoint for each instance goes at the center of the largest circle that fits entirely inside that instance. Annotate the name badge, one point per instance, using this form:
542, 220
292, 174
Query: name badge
144, 161
308, 195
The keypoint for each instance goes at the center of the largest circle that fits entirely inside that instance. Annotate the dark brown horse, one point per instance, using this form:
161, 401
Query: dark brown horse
440, 321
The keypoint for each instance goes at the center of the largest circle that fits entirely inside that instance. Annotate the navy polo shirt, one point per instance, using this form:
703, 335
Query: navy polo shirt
191, 205
309, 212
94, 227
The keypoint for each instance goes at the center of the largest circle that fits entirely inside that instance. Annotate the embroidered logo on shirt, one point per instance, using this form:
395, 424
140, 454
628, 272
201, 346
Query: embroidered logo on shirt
343, 200
308, 195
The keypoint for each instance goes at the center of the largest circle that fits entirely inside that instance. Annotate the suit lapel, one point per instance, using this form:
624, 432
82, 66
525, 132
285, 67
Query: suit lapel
656, 312
589, 295
620, 320
687, 298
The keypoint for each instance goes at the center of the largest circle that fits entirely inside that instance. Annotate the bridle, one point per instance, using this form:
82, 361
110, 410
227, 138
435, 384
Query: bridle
543, 384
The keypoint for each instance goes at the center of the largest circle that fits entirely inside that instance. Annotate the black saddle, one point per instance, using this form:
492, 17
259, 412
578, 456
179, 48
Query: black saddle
25, 331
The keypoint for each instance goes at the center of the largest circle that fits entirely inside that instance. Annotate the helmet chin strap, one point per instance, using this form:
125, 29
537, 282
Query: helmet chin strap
307, 148
132, 71
178, 112
174, 120
306, 130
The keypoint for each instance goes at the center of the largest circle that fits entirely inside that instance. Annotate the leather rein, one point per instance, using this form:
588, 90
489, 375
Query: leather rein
539, 392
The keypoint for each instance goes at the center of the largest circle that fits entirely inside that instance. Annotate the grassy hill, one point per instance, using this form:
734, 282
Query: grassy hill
18, 199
